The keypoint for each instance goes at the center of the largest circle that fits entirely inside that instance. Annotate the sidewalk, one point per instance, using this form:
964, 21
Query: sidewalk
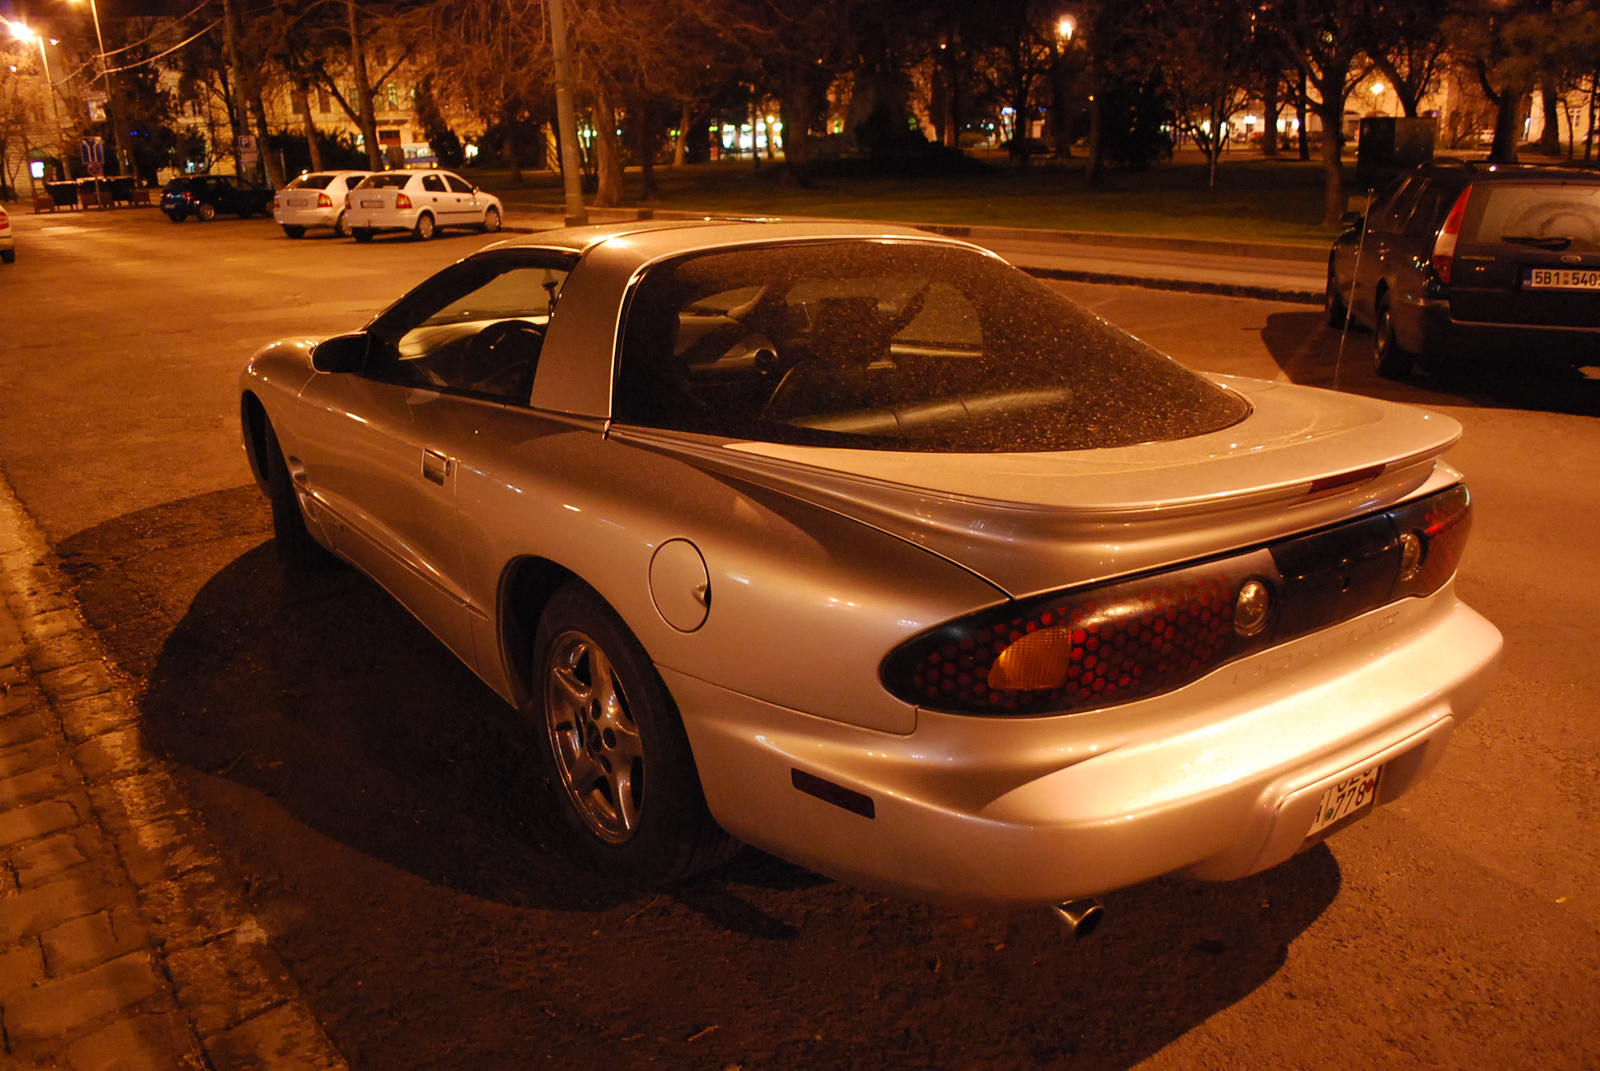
1273, 271
124, 942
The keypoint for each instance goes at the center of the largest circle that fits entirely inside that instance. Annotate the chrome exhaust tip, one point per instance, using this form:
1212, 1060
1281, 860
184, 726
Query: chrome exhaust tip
1079, 918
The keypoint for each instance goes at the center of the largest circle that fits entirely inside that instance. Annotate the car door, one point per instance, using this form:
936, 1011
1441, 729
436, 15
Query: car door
1382, 244
438, 199
381, 449
467, 205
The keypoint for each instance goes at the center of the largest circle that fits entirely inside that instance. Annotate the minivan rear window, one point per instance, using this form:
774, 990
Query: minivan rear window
1545, 215
894, 345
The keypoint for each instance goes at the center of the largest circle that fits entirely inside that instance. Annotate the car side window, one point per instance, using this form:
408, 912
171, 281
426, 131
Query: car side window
458, 186
433, 183
1391, 217
476, 330
1432, 206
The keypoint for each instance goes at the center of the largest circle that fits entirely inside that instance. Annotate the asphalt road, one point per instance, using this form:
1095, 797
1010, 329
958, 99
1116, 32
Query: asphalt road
371, 792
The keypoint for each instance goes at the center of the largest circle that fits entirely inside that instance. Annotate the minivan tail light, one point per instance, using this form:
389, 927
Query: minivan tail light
1086, 648
402, 201
1444, 246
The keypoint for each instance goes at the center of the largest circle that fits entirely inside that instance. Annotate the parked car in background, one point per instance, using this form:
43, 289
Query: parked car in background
316, 199
419, 201
8, 244
1458, 261
865, 548
204, 196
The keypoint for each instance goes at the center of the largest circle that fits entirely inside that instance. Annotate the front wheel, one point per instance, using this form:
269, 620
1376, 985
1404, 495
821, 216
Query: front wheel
294, 232
1389, 358
361, 234
296, 546
614, 750
424, 228
491, 220
206, 212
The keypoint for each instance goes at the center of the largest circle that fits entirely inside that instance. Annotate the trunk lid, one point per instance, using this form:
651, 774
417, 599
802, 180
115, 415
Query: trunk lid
1529, 253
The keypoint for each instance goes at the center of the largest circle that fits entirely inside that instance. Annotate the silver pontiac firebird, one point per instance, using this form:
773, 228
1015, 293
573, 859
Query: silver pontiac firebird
864, 548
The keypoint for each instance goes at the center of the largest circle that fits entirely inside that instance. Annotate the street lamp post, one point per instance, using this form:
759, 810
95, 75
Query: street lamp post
117, 137
23, 33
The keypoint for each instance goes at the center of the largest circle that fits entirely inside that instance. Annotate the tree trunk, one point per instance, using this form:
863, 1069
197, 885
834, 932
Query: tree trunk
645, 148
680, 144
1334, 199
1301, 134
1270, 107
366, 116
796, 109
302, 104
1508, 117
1550, 134
608, 155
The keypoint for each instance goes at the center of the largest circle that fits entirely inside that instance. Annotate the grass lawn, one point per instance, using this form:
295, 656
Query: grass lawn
1255, 198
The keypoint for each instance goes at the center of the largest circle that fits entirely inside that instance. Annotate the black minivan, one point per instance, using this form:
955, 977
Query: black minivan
1474, 261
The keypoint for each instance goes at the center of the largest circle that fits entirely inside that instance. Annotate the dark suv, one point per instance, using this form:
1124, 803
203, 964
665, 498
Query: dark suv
1461, 260
203, 196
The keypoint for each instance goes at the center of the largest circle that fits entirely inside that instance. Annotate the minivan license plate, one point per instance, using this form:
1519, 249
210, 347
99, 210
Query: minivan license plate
1561, 279
1345, 799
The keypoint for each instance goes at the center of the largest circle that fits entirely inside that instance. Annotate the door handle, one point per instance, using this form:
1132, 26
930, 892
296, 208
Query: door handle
435, 467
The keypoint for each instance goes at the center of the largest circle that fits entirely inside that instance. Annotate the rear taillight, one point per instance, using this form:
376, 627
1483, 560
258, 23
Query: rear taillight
274, 202
1114, 643
5, 220
402, 201
324, 201
1444, 246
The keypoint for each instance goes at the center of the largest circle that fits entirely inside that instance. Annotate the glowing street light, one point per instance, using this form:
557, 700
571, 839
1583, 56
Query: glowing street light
22, 33
1065, 26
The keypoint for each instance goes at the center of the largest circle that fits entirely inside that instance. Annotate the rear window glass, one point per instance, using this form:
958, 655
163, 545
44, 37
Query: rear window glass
311, 182
1543, 215
896, 346
393, 180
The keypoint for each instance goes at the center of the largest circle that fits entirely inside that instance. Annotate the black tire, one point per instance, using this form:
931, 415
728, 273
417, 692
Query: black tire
341, 225
361, 234
615, 755
8, 256
296, 547
1333, 305
491, 220
177, 217
1389, 359
205, 212
294, 232
424, 229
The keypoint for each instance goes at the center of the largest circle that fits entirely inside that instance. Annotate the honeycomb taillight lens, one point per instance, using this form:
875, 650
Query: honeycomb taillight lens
1113, 643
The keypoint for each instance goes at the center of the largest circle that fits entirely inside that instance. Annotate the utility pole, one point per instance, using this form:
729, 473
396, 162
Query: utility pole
576, 216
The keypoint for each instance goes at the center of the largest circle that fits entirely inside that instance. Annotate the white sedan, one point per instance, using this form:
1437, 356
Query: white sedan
420, 202
8, 244
316, 199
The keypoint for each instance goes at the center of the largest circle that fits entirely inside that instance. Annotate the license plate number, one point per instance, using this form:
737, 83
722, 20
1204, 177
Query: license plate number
1345, 799
298, 202
371, 202
1562, 279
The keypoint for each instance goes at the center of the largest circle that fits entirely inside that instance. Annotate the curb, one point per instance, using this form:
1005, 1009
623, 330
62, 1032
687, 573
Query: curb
124, 940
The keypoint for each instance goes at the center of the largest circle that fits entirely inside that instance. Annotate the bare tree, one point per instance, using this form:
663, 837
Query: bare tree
1207, 51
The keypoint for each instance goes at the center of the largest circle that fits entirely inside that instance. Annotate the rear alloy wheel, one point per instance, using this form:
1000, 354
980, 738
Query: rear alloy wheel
614, 750
424, 228
491, 220
206, 212
1389, 358
294, 232
341, 226
361, 234
1333, 306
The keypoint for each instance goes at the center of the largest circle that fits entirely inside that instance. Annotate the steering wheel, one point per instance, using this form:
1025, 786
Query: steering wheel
508, 352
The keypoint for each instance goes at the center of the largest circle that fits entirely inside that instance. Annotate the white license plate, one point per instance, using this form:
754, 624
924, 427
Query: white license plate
371, 202
1345, 799
298, 202
1562, 279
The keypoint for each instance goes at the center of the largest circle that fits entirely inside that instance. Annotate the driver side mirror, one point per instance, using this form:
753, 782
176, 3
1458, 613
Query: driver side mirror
341, 353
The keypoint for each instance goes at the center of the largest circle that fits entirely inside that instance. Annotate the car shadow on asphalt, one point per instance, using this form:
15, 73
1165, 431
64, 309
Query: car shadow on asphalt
321, 699
1313, 354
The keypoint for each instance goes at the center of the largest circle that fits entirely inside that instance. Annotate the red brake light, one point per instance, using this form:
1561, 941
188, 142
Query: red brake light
402, 201
275, 204
1444, 246
324, 201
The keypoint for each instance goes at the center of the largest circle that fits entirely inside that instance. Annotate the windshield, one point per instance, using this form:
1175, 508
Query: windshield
896, 346
1545, 214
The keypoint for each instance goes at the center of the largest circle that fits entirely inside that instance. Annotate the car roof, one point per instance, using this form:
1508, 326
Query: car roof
651, 239
1483, 171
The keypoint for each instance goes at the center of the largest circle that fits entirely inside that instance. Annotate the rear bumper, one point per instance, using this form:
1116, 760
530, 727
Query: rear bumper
382, 219
306, 217
1427, 328
1217, 780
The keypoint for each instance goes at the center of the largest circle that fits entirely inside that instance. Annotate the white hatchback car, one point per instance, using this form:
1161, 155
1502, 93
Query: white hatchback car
316, 199
420, 202
8, 244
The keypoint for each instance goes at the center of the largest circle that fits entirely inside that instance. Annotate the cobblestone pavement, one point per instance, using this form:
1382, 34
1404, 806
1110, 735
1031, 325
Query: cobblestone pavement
124, 943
